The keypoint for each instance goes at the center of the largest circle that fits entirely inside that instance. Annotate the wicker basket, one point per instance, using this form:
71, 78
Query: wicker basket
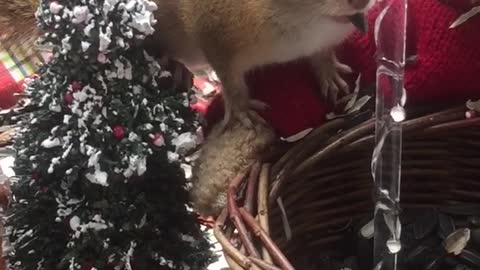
324, 187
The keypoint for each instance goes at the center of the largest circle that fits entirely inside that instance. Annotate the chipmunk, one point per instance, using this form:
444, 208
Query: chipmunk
233, 37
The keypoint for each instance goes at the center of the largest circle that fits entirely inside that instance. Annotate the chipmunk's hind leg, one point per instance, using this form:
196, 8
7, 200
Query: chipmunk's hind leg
236, 97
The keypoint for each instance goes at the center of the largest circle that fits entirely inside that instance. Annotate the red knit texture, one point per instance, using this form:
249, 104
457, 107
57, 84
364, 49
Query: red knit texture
448, 60
447, 69
290, 91
8, 87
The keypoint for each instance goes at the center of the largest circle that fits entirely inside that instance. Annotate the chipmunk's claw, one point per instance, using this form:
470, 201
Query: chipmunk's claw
330, 80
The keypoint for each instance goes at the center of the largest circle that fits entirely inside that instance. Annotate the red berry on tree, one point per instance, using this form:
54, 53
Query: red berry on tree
68, 98
76, 86
88, 266
118, 132
158, 140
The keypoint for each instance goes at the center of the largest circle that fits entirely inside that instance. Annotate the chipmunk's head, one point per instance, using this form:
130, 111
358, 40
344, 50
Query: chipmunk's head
351, 10
344, 11
341, 10
344, 7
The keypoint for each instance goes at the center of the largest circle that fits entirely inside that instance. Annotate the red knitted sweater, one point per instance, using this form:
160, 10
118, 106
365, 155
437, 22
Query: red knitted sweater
8, 87
447, 68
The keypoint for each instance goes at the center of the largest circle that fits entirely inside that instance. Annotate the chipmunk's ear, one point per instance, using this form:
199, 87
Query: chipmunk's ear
360, 21
18, 24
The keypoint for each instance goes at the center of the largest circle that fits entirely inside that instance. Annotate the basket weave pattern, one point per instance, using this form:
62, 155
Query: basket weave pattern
324, 184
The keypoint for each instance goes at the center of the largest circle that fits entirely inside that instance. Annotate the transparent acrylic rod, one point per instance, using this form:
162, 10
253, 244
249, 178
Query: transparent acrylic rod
390, 35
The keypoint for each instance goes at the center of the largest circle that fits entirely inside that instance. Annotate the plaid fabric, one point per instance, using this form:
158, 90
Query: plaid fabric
17, 62
20, 61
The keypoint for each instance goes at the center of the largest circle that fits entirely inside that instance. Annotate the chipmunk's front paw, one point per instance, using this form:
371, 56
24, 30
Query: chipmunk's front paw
248, 118
329, 76
256, 104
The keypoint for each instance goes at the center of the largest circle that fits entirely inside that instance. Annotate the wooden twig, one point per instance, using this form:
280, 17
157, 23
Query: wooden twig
221, 220
343, 139
242, 247
314, 137
264, 265
269, 244
434, 119
285, 223
252, 187
228, 248
232, 263
263, 207
229, 233
235, 215
447, 127
337, 142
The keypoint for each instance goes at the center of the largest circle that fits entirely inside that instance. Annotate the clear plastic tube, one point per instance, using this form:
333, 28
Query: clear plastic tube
390, 35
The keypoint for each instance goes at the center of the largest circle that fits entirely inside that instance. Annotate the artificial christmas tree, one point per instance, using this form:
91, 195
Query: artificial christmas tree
99, 180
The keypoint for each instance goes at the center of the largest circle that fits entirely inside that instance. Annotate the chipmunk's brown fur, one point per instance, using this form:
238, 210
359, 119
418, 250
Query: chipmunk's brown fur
222, 157
232, 36
235, 36
17, 21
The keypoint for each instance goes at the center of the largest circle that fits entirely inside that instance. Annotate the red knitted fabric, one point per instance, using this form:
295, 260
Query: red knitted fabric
8, 87
447, 69
448, 60
291, 92
17, 63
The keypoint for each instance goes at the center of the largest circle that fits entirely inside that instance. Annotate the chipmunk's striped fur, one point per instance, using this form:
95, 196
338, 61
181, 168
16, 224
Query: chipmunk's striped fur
232, 37
17, 21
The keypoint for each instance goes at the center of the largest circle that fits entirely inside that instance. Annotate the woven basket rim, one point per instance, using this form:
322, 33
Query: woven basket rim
296, 175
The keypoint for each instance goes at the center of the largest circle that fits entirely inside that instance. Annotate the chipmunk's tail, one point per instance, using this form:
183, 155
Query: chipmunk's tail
18, 22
